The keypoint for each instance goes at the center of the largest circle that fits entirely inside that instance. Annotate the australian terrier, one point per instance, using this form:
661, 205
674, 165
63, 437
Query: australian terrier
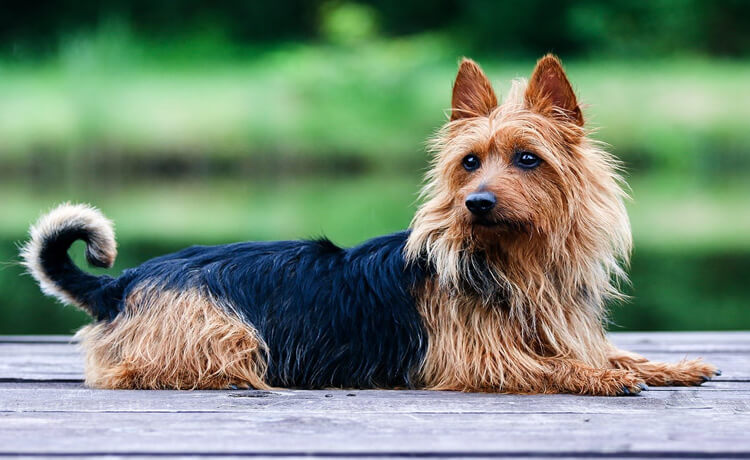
499, 285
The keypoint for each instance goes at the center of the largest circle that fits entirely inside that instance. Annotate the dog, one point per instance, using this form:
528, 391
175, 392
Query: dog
500, 284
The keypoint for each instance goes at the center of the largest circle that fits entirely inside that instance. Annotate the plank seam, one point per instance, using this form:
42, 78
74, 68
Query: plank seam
414, 454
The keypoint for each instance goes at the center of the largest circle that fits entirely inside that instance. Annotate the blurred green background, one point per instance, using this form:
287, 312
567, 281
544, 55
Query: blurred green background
194, 122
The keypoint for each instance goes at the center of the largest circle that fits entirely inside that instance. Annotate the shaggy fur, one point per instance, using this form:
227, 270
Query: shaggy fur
167, 339
512, 300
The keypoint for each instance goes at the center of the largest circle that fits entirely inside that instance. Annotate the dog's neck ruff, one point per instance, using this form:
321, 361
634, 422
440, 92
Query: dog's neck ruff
492, 317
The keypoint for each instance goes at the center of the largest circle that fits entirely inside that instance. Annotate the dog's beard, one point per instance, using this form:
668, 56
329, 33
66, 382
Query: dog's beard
496, 229
485, 253
469, 259
481, 277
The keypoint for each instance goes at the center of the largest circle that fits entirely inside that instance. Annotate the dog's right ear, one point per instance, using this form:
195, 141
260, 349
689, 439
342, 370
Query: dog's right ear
473, 95
549, 91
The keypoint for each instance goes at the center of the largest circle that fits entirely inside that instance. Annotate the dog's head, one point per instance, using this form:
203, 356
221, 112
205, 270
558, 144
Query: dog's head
520, 179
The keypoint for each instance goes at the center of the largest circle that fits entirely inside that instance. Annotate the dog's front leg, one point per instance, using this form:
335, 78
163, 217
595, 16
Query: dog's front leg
683, 373
571, 376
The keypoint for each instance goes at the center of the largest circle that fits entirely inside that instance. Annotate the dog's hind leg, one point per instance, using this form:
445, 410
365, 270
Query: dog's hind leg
683, 373
166, 339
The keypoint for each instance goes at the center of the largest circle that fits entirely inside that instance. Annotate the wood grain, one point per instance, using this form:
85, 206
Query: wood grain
46, 411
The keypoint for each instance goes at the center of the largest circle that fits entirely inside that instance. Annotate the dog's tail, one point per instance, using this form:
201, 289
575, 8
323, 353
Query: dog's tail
45, 256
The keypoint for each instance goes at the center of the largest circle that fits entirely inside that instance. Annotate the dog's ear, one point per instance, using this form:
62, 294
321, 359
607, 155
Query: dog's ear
473, 95
549, 91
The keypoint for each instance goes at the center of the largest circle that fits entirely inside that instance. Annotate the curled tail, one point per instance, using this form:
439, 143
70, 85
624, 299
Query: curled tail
45, 256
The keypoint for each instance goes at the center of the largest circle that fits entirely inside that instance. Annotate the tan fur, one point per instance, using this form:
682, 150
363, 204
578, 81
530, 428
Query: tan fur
687, 372
168, 339
478, 347
519, 307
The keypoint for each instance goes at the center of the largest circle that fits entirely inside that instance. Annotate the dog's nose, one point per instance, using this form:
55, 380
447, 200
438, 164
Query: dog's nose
480, 203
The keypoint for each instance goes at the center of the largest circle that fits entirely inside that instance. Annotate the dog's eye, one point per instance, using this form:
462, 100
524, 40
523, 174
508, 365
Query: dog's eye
527, 160
471, 162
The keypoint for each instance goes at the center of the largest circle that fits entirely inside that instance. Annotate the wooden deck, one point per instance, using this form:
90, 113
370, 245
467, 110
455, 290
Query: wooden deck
46, 411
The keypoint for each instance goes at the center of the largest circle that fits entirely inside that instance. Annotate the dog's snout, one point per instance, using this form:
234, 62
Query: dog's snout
480, 203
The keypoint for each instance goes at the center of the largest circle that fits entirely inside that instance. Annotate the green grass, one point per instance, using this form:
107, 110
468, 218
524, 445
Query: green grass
346, 209
684, 213
377, 101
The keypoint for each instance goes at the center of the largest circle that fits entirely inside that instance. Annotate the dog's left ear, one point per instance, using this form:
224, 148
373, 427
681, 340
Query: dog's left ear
473, 95
549, 91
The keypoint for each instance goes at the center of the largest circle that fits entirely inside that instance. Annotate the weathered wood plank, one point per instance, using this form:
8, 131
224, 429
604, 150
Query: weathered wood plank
54, 361
715, 396
57, 418
301, 433
687, 342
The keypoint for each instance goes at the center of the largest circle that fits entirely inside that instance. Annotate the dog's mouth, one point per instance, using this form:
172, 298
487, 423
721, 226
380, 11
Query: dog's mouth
484, 222
498, 224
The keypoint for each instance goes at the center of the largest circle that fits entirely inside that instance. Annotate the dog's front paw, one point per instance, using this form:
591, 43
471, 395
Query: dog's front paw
691, 373
685, 373
624, 383
616, 382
